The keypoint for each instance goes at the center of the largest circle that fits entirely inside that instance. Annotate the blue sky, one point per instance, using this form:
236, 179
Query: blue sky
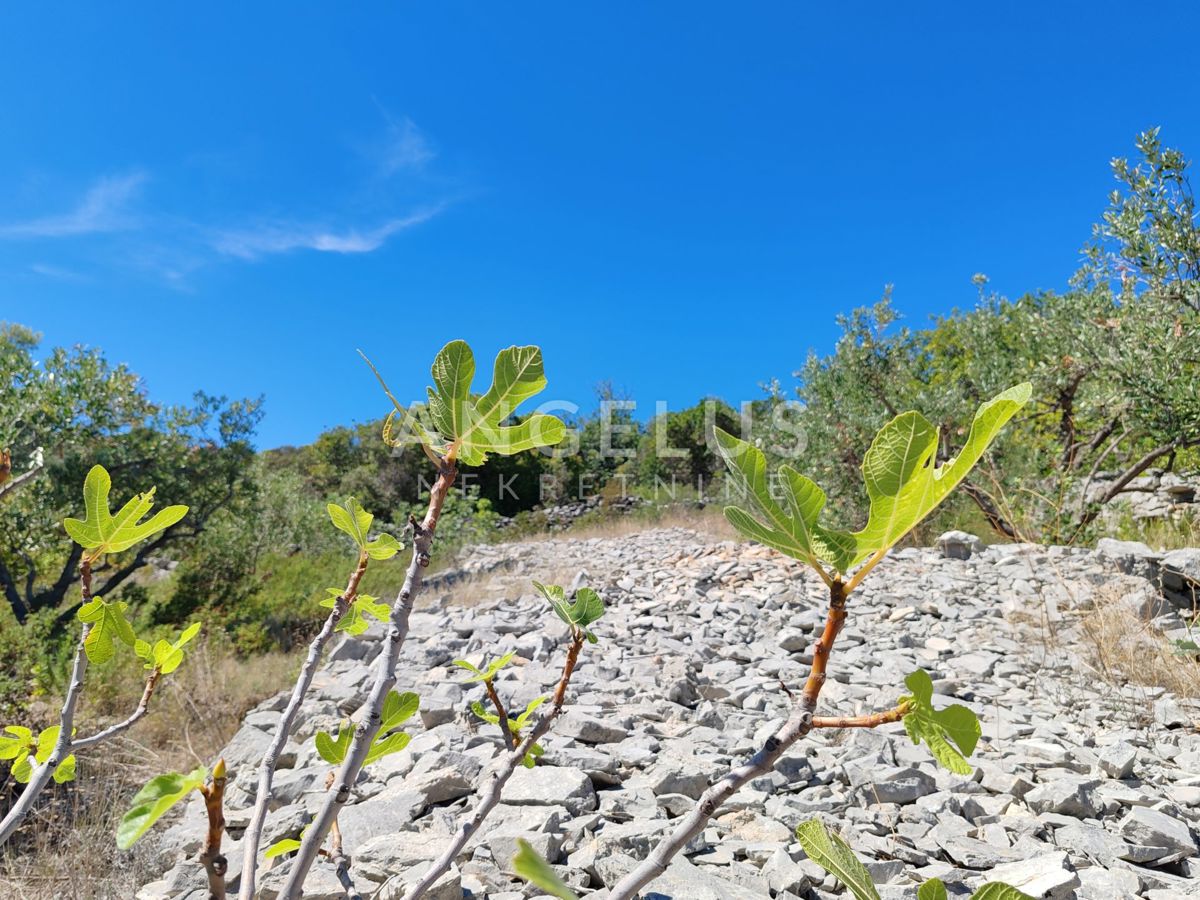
675, 196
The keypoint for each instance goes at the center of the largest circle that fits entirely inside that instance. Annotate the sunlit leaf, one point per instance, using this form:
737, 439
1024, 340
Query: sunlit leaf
492, 670
467, 427
108, 624
791, 529
153, 801
904, 485
933, 889
65, 771
287, 845
384, 746
523, 719
995, 890
586, 609
356, 522
834, 855
333, 749
101, 532
481, 712
28, 752
943, 730
17, 738
531, 758
354, 620
527, 864
398, 709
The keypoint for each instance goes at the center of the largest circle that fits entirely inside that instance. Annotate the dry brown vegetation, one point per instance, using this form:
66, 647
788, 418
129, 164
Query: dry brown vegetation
67, 848
1127, 650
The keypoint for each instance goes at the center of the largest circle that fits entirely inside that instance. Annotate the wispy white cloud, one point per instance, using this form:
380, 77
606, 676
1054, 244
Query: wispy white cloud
378, 201
104, 208
277, 238
58, 273
404, 147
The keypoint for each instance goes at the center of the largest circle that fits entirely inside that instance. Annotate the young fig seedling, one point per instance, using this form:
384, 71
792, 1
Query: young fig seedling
103, 628
455, 426
904, 484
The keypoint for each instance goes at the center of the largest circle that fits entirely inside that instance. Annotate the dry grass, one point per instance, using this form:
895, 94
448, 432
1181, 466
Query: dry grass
491, 586
707, 520
1127, 650
67, 848
507, 583
1164, 534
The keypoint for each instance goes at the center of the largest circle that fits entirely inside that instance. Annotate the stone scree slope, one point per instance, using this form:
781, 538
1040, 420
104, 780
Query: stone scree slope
1081, 789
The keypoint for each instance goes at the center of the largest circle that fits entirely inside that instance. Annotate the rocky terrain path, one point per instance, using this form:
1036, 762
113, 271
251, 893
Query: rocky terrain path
1082, 788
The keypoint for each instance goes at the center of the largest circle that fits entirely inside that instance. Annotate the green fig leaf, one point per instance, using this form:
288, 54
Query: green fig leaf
532, 756
834, 855
356, 522
333, 749
101, 532
17, 739
108, 625
482, 713
153, 801
492, 670
279, 848
995, 890
587, 608
398, 709
904, 485
951, 733
532, 868
354, 620
466, 426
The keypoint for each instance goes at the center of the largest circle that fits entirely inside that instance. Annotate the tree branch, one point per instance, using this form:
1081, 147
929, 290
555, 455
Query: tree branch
1127, 476
215, 864
490, 796
505, 730
24, 478
762, 762
874, 720
113, 730
266, 769
66, 721
385, 679
12, 595
988, 507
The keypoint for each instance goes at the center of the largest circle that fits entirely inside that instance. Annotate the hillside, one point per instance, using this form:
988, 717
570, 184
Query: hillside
1085, 786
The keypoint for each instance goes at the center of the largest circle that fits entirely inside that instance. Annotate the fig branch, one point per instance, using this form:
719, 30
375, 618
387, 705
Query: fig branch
762, 762
66, 719
270, 760
368, 727
489, 795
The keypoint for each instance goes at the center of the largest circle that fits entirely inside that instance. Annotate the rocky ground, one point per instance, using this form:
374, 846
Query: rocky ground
1082, 788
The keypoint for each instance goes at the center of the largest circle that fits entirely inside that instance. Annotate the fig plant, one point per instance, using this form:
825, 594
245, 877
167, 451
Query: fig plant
397, 709
454, 427
905, 482
161, 793
579, 614
348, 612
104, 628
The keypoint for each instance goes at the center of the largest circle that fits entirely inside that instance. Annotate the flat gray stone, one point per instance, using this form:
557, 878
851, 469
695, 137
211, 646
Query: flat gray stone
551, 786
